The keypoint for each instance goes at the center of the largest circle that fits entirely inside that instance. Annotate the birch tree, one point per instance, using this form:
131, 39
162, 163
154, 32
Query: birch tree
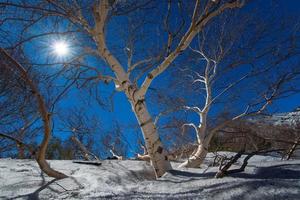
213, 77
95, 27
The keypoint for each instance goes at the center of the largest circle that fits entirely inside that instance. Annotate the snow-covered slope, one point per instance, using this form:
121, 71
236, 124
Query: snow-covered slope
279, 119
265, 178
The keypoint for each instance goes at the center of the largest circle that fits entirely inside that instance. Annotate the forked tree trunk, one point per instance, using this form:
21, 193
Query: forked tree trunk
156, 151
203, 139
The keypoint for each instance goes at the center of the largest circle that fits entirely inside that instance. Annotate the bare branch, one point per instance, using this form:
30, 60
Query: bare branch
190, 125
185, 42
19, 142
135, 65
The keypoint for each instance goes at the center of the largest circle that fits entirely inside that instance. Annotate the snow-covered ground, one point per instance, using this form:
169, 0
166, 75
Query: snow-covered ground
265, 177
279, 119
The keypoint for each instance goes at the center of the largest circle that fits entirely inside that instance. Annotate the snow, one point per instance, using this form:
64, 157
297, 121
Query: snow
266, 177
279, 119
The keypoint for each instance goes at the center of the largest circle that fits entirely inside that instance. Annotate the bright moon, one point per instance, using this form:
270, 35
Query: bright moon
61, 48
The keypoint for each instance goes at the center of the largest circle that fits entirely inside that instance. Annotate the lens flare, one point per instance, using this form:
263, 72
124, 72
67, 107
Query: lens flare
60, 48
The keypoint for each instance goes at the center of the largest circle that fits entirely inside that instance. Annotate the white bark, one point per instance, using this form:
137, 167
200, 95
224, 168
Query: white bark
292, 149
197, 158
115, 155
197, 25
155, 149
203, 139
135, 95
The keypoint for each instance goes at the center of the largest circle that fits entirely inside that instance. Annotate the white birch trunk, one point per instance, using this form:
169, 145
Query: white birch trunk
203, 138
156, 151
153, 143
154, 146
196, 159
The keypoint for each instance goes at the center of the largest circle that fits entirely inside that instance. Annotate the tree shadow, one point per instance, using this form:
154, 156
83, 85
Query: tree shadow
134, 175
191, 174
46, 185
249, 189
178, 176
271, 178
285, 171
35, 195
147, 195
257, 189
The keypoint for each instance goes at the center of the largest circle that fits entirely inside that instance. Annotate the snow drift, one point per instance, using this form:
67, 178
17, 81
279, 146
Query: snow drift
266, 177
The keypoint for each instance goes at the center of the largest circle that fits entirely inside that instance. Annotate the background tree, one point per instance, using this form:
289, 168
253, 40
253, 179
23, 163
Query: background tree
233, 60
10, 64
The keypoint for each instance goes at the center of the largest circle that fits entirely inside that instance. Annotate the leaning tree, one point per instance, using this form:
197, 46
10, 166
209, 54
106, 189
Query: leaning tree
26, 92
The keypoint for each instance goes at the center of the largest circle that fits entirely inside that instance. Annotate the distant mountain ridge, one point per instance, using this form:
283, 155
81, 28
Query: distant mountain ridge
278, 119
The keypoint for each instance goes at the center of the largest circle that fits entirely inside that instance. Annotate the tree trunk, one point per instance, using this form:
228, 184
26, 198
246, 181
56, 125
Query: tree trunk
197, 158
85, 153
203, 139
292, 149
21, 150
42, 108
40, 157
223, 170
82, 148
156, 151
45, 167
